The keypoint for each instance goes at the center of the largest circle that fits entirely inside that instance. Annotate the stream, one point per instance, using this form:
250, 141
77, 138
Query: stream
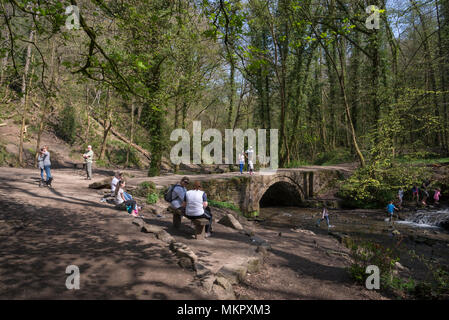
420, 231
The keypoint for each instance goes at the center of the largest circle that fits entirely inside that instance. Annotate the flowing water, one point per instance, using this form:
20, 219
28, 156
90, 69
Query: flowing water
428, 219
420, 231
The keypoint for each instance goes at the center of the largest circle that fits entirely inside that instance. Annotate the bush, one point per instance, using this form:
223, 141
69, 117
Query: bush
117, 151
145, 189
7, 158
152, 198
66, 126
436, 284
368, 253
334, 157
376, 185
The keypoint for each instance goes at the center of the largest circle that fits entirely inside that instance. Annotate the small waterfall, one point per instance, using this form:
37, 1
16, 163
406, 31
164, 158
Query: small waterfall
434, 218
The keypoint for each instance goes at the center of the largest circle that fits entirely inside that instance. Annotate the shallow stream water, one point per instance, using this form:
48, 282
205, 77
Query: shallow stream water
418, 231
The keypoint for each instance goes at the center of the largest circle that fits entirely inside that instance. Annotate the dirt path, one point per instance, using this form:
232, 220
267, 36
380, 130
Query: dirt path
50, 229
45, 230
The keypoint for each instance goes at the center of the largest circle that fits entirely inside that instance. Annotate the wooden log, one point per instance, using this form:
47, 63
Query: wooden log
121, 137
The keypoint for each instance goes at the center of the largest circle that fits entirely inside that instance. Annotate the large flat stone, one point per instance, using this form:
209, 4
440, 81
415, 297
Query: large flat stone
233, 273
164, 236
148, 228
230, 221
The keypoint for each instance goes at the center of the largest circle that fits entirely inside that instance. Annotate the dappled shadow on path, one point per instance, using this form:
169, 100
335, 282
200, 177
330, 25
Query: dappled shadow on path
34, 258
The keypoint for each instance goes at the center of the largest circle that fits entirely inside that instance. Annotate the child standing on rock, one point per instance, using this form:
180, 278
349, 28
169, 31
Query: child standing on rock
390, 209
436, 196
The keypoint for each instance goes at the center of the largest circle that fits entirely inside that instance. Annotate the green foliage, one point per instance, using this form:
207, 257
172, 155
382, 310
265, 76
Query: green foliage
152, 198
436, 285
298, 163
117, 152
377, 184
225, 205
66, 126
334, 157
367, 253
7, 158
145, 189
101, 163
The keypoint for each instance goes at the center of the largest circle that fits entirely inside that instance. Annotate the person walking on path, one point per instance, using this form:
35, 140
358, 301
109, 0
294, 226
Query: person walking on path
325, 216
242, 162
40, 164
195, 202
88, 157
46, 163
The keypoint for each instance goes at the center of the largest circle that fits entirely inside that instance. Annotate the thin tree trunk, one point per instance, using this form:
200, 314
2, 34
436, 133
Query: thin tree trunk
131, 136
86, 139
4, 65
23, 100
443, 69
107, 125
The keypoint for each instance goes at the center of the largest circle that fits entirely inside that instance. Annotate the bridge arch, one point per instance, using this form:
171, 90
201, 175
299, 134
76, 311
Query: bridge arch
282, 190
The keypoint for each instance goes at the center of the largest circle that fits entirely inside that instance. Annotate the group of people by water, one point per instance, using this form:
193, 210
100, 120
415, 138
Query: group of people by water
193, 203
417, 194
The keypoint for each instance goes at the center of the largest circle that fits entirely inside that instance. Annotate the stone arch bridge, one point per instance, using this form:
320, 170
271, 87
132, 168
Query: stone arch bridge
289, 187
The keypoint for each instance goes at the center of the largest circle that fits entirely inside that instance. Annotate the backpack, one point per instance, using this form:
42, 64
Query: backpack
168, 195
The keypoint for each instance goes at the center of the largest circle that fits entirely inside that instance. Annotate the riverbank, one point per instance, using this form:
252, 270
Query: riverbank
356, 226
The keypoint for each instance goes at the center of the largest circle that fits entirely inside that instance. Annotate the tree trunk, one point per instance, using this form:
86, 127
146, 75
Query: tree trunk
107, 125
131, 135
23, 100
86, 139
443, 69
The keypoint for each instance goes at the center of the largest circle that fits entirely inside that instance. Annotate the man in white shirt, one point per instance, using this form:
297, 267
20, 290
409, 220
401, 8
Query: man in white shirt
250, 153
196, 205
115, 180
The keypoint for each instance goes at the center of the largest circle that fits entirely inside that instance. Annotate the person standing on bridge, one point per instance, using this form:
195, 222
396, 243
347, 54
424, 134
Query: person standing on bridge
88, 157
242, 162
250, 156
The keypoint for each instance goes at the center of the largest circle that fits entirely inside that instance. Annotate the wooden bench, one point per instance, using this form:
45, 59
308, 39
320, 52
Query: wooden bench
200, 224
82, 165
